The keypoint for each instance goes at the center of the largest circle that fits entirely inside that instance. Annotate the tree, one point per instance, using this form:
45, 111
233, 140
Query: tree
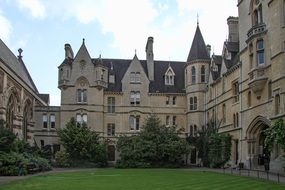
155, 146
82, 144
214, 149
275, 135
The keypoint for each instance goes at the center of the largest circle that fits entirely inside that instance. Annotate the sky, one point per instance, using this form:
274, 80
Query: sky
112, 28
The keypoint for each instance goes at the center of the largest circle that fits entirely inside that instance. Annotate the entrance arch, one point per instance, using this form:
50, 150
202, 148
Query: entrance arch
255, 141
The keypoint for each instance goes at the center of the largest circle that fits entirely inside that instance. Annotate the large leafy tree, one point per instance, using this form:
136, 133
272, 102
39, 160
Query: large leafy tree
155, 146
214, 149
81, 143
275, 135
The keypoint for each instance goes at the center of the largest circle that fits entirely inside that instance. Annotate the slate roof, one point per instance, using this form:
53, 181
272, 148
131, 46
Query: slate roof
198, 49
218, 61
44, 97
120, 67
16, 65
233, 48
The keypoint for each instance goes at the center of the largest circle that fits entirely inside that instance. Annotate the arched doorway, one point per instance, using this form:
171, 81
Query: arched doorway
257, 152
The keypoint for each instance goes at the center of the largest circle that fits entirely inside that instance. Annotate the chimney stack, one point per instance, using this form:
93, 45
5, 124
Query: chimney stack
233, 29
149, 58
209, 49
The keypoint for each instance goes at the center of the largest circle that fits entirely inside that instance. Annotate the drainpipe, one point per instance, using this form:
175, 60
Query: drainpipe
241, 113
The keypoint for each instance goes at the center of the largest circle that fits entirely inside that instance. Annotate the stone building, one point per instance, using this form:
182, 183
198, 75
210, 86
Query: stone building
242, 90
18, 95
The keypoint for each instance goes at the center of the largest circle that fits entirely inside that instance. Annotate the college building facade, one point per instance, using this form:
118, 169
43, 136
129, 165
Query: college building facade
242, 90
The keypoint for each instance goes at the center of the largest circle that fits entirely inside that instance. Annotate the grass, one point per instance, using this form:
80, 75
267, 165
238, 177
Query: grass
140, 179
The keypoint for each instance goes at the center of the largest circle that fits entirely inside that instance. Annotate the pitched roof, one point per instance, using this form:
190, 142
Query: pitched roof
16, 65
198, 49
120, 67
217, 59
44, 97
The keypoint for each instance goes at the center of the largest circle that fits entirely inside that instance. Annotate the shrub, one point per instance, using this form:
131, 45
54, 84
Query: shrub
62, 159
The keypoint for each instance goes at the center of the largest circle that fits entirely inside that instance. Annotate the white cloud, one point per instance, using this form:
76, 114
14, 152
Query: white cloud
33, 7
5, 28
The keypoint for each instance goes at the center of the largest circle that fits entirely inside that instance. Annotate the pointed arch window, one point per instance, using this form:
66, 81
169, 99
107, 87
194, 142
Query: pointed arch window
193, 74
203, 74
256, 12
169, 77
10, 112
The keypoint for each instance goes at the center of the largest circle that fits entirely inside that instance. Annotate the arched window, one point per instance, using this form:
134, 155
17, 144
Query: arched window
193, 74
10, 112
260, 52
256, 12
169, 77
249, 99
203, 74
277, 104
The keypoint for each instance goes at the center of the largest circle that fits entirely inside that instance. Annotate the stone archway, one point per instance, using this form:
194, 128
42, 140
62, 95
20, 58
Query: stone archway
10, 111
255, 142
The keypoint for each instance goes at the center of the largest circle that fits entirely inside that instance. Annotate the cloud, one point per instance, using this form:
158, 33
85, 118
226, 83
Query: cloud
5, 28
33, 7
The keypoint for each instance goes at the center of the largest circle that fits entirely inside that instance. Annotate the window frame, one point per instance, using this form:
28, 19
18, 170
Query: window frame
111, 104
111, 129
193, 75
260, 53
52, 120
135, 98
203, 74
81, 96
45, 121
134, 122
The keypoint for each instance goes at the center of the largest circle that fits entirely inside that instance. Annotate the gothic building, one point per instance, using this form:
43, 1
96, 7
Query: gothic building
242, 90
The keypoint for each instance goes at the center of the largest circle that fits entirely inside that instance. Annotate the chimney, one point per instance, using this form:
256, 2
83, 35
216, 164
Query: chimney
149, 58
209, 49
68, 51
233, 29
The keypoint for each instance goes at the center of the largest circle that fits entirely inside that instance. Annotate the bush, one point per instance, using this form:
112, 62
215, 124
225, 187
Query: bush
12, 162
62, 159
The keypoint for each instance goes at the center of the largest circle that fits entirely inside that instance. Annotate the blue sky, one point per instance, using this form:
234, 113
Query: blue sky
113, 28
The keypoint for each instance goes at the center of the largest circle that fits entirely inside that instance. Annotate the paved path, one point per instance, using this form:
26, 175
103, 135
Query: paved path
255, 174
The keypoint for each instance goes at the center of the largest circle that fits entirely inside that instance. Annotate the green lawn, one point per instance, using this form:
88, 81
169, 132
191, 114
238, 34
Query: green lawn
136, 179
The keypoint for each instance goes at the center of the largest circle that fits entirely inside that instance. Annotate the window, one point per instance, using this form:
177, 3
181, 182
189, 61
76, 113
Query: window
174, 100
237, 120
169, 77
81, 96
195, 103
111, 129
203, 74
45, 121
111, 104
249, 99
256, 12
134, 122
195, 130
250, 47
191, 103
234, 118
167, 100
81, 119
52, 121
224, 113
277, 104
236, 91
260, 52
174, 120
42, 143
167, 121
223, 84
193, 73
191, 130
102, 74
135, 77
135, 98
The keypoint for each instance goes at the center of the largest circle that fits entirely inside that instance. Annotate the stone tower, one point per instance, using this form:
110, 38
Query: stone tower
196, 78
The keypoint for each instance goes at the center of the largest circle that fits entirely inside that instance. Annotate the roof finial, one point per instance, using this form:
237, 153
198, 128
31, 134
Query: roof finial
20, 53
197, 19
83, 40
135, 51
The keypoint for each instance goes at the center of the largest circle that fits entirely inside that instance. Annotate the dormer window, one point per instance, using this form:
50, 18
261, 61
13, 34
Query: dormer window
169, 76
